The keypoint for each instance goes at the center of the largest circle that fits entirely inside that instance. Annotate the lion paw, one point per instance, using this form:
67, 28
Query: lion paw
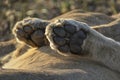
66, 36
31, 31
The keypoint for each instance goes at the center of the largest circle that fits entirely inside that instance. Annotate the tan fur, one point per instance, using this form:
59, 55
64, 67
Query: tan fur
46, 64
72, 67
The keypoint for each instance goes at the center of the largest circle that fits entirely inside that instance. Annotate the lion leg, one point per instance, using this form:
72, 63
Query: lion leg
31, 31
111, 29
82, 40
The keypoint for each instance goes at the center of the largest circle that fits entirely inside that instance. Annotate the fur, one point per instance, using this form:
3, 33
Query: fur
101, 63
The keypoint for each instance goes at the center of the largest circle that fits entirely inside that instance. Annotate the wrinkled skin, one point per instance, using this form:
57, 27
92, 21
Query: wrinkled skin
90, 63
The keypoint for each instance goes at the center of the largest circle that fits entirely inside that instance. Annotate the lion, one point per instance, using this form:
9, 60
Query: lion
67, 48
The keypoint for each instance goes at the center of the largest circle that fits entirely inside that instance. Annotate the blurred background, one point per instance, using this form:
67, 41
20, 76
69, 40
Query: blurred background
12, 11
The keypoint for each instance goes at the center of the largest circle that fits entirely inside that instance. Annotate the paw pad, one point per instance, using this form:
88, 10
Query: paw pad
31, 31
66, 38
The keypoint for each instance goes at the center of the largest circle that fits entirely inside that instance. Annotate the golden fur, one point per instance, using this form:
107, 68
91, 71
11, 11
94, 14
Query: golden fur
102, 63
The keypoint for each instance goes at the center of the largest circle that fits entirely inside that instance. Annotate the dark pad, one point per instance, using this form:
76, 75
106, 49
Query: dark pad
59, 31
59, 41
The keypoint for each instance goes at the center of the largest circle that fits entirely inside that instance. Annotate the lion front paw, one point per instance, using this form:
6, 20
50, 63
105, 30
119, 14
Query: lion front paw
66, 36
31, 31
